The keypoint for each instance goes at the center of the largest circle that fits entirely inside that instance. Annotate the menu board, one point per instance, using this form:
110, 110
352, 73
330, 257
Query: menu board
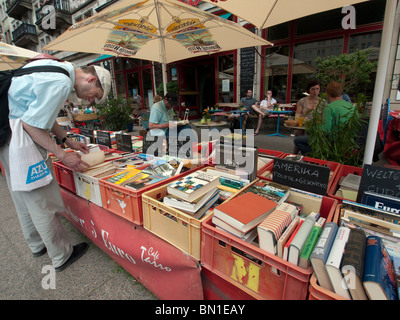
380, 180
124, 142
103, 138
87, 133
301, 175
247, 56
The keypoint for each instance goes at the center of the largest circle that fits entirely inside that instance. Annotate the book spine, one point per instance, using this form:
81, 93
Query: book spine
310, 242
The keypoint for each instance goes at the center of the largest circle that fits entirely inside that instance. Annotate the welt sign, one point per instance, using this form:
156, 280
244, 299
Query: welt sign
300, 175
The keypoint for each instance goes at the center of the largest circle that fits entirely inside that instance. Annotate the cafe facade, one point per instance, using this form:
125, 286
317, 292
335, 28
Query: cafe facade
285, 67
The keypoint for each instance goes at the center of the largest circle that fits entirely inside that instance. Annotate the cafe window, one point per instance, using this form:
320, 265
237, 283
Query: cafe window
133, 83
280, 31
304, 66
120, 79
276, 71
147, 88
119, 64
370, 41
225, 78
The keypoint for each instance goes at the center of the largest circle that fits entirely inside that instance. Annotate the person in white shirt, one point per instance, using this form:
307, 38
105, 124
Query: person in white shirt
262, 108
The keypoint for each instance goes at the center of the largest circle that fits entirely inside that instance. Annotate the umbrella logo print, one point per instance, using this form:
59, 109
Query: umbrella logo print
126, 42
193, 35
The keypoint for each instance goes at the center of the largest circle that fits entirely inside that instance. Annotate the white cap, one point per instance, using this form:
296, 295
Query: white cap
104, 77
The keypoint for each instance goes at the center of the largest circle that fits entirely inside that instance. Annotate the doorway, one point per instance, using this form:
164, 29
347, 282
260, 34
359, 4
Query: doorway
206, 79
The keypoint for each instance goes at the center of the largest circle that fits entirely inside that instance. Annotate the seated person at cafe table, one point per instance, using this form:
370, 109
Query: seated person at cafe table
306, 105
161, 121
247, 102
337, 111
262, 108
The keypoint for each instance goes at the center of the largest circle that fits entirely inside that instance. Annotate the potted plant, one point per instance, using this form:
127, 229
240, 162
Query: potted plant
344, 143
115, 114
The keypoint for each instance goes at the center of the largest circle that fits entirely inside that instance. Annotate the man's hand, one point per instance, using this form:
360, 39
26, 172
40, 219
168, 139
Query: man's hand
73, 160
73, 144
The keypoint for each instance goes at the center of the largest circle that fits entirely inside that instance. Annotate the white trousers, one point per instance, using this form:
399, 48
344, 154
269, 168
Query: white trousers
38, 212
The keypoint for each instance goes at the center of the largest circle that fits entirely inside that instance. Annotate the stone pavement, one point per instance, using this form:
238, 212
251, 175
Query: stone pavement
93, 277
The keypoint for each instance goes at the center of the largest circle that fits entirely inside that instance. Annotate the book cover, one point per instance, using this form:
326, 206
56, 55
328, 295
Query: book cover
320, 254
353, 263
271, 228
144, 182
192, 207
379, 277
193, 185
304, 261
245, 211
123, 176
286, 235
334, 262
310, 202
299, 240
270, 190
382, 202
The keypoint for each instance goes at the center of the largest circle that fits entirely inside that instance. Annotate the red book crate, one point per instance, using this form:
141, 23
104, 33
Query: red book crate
64, 176
274, 153
127, 202
343, 171
333, 166
257, 272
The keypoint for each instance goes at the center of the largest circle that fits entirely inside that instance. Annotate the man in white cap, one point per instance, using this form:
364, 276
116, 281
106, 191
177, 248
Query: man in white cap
36, 99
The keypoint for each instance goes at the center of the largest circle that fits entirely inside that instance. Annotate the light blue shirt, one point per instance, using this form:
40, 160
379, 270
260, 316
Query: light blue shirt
159, 115
38, 97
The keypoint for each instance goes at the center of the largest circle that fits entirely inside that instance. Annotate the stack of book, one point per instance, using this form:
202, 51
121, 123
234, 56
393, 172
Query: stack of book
237, 159
359, 259
241, 215
193, 194
348, 187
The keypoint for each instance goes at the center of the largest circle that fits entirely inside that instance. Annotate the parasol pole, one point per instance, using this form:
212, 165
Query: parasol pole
162, 47
390, 13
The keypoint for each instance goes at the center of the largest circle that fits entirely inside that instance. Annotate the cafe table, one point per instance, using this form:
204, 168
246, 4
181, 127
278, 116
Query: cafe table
277, 125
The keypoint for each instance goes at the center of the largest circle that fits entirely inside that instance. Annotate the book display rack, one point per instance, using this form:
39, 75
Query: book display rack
179, 243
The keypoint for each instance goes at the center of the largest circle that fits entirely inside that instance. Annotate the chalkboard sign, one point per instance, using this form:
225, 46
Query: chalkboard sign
177, 147
300, 175
152, 145
247, 59
380, 180
124, 142
103, 138
87, 133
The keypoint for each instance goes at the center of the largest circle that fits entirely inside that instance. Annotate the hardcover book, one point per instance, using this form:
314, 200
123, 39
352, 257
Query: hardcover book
353, 264
382, 202
299, 240
304, 261
245, 211
333, 263
286, 235
271, 229
320, 254
193, 186
379, 277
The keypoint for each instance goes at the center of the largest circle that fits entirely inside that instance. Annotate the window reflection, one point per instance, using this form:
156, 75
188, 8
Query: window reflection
225, 78
276, 71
